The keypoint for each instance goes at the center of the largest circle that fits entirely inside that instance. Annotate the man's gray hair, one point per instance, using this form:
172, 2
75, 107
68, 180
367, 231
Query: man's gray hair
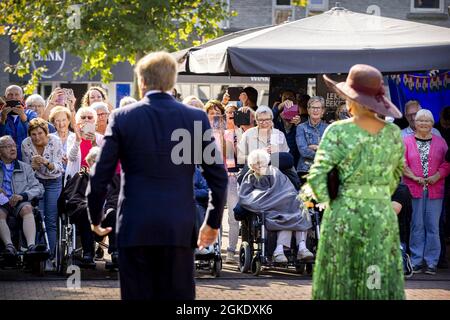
424, 113
6, 138
13, 86
35, 98
316, 99
263, 109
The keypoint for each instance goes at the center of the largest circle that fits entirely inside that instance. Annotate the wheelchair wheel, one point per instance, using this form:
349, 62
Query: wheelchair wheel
256, 266
245, 257
216, 267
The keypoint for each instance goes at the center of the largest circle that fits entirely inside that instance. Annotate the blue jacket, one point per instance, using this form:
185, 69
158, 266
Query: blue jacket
308, 134
156, 203
201, 189
18, 130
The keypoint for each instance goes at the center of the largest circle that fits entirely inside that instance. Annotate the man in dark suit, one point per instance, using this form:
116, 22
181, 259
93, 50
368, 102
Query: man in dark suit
156, 234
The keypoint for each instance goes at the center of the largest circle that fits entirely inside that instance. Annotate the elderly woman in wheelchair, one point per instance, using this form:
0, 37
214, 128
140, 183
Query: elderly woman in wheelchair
266, 190
76, 208
18, 187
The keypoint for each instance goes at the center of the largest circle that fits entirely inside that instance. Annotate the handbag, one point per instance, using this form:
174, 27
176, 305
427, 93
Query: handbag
333, 183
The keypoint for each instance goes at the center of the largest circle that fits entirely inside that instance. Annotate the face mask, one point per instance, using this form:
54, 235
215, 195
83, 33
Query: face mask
239, 104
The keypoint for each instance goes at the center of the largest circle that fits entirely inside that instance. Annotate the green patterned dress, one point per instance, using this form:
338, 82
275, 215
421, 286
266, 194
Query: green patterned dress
359, 253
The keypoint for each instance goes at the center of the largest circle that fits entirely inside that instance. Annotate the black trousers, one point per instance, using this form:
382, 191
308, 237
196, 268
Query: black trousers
156, 273
88, 237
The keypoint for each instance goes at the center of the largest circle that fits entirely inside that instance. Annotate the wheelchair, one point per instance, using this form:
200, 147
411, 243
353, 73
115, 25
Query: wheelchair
212, 260
34, 261
258, 245
68, 246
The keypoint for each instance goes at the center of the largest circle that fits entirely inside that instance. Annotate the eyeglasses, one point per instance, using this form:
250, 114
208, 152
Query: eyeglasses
36, 106
9, 146
315, 108
264, 120
86, 117
424, 121
104, 114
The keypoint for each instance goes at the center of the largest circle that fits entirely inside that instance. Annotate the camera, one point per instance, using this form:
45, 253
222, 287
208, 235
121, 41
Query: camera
13, 104
241, 118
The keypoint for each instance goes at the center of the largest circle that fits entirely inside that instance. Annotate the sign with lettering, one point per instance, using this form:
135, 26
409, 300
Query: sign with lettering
54, 62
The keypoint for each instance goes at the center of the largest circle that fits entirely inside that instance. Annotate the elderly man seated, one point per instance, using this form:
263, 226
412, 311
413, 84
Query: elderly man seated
267, 190
18, 187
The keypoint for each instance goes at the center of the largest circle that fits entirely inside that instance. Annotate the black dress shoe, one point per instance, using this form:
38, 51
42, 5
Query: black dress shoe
88, 261
10, 250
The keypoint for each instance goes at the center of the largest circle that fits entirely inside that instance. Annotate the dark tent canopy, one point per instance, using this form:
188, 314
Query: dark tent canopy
327, 43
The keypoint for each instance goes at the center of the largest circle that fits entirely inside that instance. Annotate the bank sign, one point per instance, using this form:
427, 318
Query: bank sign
61, 66
54, 62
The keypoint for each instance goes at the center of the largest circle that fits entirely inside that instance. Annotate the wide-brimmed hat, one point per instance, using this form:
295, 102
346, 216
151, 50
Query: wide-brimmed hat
364, 85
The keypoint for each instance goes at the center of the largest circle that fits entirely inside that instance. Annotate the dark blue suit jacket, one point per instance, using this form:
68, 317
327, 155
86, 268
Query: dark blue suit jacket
156, 202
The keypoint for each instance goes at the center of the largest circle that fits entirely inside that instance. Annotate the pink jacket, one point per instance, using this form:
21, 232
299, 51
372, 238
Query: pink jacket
436, 162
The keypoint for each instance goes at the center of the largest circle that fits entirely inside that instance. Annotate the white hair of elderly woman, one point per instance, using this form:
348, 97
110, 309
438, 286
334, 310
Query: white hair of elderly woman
84, 110
100, 106
424, 113
263, 109
35, 98
259, 156
126, 100
92, 155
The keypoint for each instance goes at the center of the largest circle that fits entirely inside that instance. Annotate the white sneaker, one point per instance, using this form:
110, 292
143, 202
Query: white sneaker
230, 258
304, 254
49, 266
279, 257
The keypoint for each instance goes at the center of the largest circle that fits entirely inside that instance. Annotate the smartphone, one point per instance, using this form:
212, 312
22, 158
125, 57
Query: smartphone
241, 118
13, 104
289, 113
234, 93
88, 128
218, 122
61, 98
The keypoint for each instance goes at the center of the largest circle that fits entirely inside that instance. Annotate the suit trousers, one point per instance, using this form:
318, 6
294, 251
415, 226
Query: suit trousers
156, 273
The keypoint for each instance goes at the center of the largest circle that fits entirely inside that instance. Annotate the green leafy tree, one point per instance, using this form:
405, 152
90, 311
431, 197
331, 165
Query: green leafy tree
105, 32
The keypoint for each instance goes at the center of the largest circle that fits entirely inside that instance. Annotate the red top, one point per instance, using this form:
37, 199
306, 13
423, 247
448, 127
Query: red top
85, 146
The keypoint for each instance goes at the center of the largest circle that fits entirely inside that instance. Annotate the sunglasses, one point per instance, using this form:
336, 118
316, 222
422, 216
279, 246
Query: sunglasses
86, 117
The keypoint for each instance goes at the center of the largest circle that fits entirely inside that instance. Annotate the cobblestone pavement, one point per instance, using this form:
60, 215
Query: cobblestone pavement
231, 285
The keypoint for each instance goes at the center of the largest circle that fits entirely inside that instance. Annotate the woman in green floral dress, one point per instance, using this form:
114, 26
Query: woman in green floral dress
359, 253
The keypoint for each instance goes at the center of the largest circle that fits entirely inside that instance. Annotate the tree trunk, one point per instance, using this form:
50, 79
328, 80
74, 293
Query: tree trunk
135, 87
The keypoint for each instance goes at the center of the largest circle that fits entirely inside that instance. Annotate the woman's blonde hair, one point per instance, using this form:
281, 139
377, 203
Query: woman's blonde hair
59, 109
193, 101
37, 123
214, 104
158, 71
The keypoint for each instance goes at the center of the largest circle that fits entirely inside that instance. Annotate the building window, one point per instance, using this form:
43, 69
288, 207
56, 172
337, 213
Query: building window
318, 5
283, 11
424, 6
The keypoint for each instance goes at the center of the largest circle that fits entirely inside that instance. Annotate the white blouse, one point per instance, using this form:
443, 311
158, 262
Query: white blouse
53, 153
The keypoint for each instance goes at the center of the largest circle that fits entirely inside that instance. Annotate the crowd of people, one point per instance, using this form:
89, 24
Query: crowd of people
45, 147
56, 145
297, 125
